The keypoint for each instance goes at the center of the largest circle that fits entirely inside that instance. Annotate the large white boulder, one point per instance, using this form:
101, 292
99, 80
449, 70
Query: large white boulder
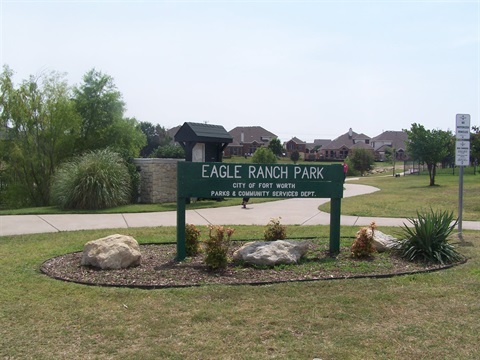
270, 253
112, 252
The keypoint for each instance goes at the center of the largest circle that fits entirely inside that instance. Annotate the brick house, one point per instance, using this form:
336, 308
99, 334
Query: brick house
246, 139
340, 148
390, 139
295, 144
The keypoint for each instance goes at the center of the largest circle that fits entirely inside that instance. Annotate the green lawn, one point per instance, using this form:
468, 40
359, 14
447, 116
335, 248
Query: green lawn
405, 195
423, 316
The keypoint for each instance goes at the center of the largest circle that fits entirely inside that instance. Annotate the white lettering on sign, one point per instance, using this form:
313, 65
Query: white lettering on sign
267, 172
253, 193
285, 193
219, 193
221, 171
308, 173
285, 186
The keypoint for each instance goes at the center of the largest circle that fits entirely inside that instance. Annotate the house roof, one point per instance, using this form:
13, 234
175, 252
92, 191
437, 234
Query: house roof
296, 140
173, 131
346, 140
318, 143
361, 145
250, 134
396, 138
199, 132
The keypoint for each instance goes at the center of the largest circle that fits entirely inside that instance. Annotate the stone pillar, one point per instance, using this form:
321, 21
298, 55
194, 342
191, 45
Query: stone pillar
158, 180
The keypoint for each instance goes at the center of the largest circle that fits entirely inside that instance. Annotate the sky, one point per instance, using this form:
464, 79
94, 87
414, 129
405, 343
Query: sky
305, 69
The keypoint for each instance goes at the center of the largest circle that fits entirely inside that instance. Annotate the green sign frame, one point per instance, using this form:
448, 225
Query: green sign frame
232, 180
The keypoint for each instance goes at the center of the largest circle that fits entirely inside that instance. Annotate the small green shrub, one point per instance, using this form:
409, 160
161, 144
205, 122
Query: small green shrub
192, 235
275, 231
427, 239
96, 180
363, 245
216, 247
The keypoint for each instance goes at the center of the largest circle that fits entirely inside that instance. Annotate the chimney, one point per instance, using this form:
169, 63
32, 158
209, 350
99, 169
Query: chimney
242, 137
350, 133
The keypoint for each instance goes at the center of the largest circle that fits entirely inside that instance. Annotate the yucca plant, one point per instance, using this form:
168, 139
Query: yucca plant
96, 180
427, 239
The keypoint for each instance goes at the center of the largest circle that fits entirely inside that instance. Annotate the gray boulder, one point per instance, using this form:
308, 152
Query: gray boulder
383, 242
112, 252
270, 253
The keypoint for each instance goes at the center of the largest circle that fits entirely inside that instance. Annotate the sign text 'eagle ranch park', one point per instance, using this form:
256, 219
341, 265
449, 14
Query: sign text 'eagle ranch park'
211, 180
221, 180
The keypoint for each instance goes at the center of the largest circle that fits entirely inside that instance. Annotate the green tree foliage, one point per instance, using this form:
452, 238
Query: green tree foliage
276, 146
41, 125
391, 156
430, 147
264, 155
295, 156
169, 151
101, 108
156, 136
475, 144
362, 160
96, 180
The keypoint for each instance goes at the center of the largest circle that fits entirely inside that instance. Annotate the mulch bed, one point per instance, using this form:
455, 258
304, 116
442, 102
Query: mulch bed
159, 269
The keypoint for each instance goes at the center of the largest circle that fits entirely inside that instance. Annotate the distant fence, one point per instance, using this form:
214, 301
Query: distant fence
415, 168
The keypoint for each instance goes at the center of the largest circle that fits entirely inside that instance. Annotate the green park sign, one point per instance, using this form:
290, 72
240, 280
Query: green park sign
230, 180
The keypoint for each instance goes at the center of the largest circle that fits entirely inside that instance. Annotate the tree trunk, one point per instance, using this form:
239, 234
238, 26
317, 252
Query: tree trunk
431, 172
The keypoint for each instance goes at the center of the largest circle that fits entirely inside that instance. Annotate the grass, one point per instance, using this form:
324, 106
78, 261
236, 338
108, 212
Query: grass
425, 316
135, 208
404, 196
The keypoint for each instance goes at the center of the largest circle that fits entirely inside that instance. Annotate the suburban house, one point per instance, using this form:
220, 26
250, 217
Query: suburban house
295, 144
339, 148
312, 151
246, 139
390, 139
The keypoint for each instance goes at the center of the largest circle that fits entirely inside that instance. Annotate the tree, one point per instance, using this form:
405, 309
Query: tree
362, 160
276, 147
475, 144
264, 155
170, 151
156, 136
101, 108
295, 156
41, 126
429, 146
391, 156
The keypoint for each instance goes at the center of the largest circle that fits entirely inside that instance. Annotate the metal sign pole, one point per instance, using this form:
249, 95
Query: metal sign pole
462, 159
460, 203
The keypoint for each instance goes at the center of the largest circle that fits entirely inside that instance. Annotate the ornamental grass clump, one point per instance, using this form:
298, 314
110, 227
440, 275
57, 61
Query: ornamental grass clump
363, 245
216, 247
96, 180
427, 239
275, 231
192, 243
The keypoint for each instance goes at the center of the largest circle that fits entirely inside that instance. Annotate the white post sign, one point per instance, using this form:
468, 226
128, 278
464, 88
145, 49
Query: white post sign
462, 153
462, 134
462, 158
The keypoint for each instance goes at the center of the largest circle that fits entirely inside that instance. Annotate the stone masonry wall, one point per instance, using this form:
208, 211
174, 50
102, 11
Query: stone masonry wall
158, 180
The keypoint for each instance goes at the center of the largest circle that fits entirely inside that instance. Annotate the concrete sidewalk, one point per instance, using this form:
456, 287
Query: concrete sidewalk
298, 211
